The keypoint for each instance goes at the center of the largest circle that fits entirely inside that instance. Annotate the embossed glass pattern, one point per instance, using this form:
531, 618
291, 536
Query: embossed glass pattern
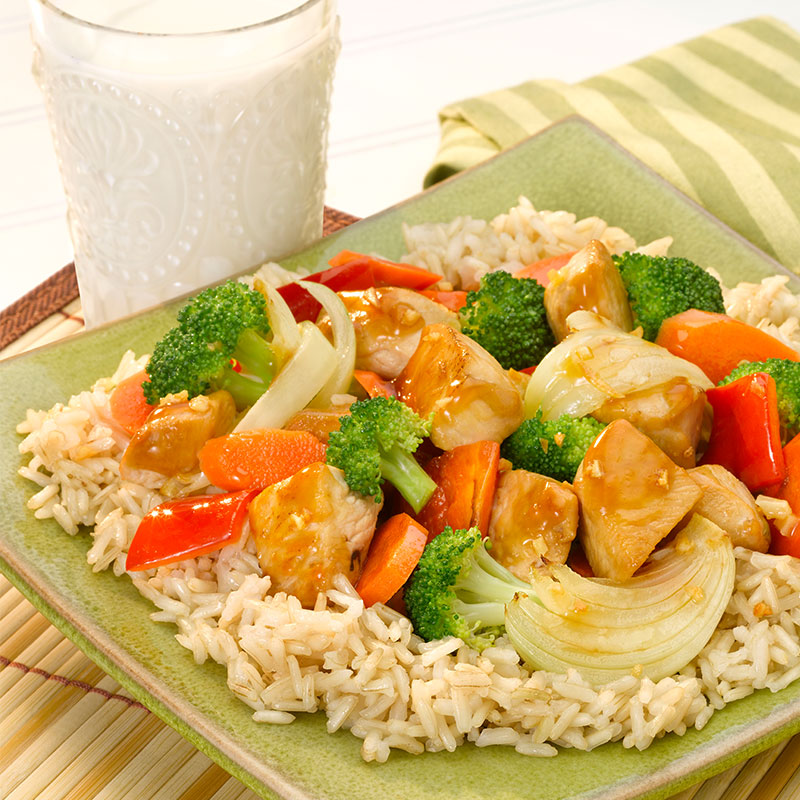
185, 157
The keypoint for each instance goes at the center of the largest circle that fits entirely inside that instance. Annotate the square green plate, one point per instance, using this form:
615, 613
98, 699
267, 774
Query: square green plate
570, 165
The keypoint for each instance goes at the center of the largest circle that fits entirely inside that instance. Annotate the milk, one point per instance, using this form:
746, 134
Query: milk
191, 137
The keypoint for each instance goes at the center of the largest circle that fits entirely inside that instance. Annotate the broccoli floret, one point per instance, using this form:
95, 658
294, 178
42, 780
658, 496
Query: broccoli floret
660, 287
506, 316
375, 442
222, 323
551, 447
458, 589
786, 375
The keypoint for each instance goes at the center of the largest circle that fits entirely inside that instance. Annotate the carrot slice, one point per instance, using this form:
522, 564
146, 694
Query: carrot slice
127, 404
258, 458
465, 477
540, 270
373, 384
455, 301
394, 552
717, 343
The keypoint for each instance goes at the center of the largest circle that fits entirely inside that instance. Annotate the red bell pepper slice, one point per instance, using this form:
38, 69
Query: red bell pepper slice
789, 490
346, 277
351, 272
187, 528
745, 436
388, 273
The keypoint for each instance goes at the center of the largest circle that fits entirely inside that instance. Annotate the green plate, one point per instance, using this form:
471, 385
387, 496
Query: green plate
570, 165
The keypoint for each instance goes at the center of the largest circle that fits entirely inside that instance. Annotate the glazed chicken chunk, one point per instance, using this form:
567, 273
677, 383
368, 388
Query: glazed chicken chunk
727, 502
672, 415
631, 496
590, 281
532, 516
388, 322
469, 394
309, 528
168, 443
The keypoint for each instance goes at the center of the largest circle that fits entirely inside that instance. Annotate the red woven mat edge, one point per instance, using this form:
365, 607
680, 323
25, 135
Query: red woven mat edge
61, 288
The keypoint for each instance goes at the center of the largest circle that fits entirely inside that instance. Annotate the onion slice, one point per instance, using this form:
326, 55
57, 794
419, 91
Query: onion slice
344, 341
285, 331
651, 625
301, 377
598, 363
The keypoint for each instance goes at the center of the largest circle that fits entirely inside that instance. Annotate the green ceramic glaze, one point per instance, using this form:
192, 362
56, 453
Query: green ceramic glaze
571, 166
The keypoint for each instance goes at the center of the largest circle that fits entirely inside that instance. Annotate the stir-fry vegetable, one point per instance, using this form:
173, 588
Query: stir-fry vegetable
465, 481
717, 343
373, 384
221, 323
551, 447
375, 443
651, 625
541, 271
786, 375
455, 301
660, 287
746, 435
301, 378
787, 541
598, 363
258, 458
383, 272
506, 316
393, 553
187, 528
128, 405
458, 589
344, 343
351, 271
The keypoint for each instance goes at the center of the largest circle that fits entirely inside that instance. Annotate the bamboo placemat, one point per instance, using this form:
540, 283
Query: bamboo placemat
70, 732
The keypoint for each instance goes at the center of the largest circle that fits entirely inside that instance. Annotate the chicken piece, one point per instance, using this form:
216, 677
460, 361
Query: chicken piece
320, 422
388, 322
532, 516
632, 495
589, 281
309, 528
672, 415
727, 502
469, 394
168, 443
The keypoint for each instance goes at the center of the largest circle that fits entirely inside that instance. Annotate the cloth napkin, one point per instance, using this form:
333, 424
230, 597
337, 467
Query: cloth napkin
718, 116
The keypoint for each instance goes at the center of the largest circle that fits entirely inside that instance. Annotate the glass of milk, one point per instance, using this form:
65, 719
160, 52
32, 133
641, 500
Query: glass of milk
191, 137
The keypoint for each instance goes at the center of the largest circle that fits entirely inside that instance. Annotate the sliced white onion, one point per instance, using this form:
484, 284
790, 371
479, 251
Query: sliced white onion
651, 625
301, 377
344, 341
597, 363
285, 333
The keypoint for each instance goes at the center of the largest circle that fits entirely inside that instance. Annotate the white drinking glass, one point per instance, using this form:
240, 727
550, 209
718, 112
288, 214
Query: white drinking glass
191, 137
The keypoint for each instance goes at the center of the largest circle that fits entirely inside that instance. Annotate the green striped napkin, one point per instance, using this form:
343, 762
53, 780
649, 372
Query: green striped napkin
718, 116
